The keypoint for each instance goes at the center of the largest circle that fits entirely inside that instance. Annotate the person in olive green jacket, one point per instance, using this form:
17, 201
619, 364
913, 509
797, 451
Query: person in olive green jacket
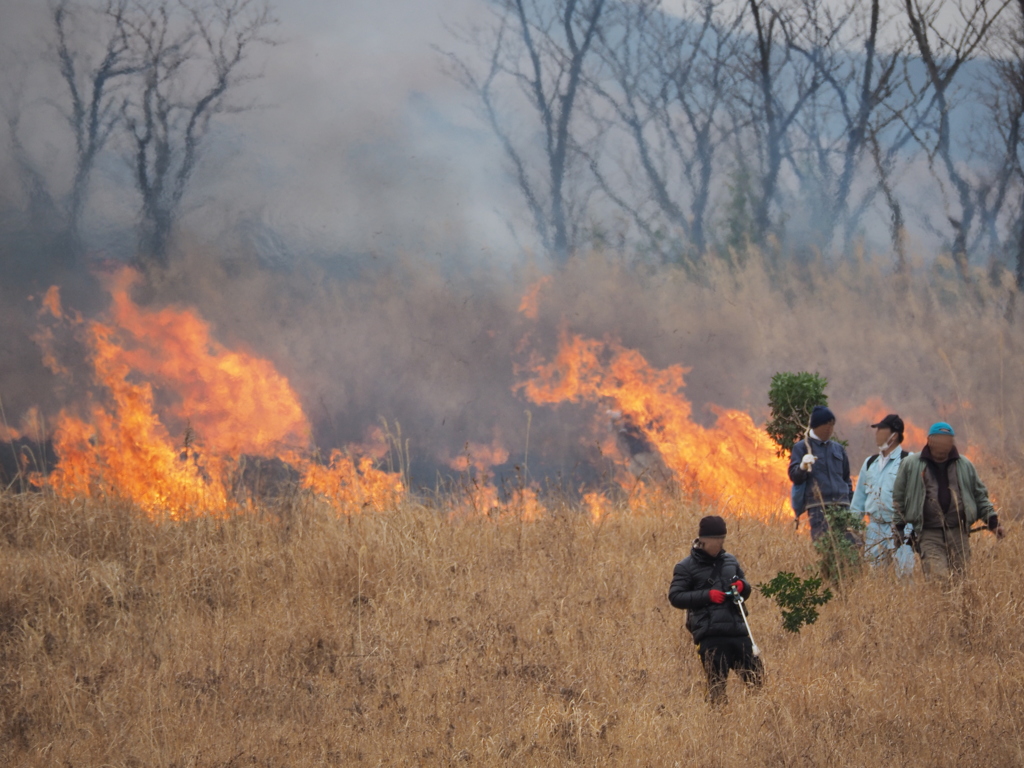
939, 493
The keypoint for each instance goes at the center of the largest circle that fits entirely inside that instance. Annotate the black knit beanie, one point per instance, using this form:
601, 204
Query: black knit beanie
711, 527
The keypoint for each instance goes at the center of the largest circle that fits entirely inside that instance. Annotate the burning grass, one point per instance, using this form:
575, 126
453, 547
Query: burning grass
346, 623
296, 636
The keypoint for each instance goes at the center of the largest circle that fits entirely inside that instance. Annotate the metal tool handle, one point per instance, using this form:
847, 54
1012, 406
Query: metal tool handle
738, 599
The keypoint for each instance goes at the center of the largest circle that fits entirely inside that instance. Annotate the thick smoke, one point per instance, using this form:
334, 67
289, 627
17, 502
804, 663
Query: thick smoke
353, 230
442, 354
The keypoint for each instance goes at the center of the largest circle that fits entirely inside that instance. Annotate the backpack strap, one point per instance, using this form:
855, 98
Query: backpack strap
871, 459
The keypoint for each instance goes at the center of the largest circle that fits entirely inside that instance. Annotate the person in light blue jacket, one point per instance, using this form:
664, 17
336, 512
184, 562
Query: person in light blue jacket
873, 496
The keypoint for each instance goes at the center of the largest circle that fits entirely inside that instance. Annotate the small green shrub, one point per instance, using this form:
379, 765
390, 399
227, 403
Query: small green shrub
798, 598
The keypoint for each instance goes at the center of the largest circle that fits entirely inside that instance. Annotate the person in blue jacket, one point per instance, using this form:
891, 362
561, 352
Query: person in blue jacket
873, 496
822, 466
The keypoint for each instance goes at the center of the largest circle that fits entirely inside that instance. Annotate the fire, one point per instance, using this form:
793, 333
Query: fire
475, 492
123, 449
351, 480
529, 306
171, 410
597, 506
480, 497
31, 426
732, 463
523, 503
480, 457
161, 372
477, 495
50, 306
236, 402
51, 302
353, 484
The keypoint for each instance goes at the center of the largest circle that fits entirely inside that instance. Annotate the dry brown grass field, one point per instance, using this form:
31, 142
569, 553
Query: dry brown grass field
293, 636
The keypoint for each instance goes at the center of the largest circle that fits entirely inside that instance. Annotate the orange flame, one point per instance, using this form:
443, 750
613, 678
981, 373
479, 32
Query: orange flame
479, 497
480, 457
51, 302
162, 369
31, 427
597, 506
529, 306
124, 450
50, 305
733, 462
236, 402
353, 484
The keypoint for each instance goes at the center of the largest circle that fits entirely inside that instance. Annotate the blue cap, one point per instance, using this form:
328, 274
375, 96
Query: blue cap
941, 428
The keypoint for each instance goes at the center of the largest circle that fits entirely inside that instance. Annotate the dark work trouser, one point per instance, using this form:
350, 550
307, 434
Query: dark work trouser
720, 654
819, 523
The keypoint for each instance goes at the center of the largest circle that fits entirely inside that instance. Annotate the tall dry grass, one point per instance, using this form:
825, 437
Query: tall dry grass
293, 637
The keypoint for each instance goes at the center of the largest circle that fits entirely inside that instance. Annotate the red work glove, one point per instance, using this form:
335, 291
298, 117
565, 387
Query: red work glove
738, 585
717, 596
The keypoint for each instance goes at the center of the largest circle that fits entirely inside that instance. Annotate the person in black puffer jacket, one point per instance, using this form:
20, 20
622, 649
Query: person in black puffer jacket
699, 586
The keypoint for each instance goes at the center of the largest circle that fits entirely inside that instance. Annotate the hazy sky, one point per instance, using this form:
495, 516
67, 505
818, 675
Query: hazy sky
360, 141
361, 144
364, 129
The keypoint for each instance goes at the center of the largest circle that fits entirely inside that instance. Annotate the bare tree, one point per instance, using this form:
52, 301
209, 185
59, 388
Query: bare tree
668, 79
816, 32
93, 58
542, 46
1006, 112
782, 82
190, 55
43, 209
92, 113
1013, 74
750, 103
843, 116
944, 51
893, 110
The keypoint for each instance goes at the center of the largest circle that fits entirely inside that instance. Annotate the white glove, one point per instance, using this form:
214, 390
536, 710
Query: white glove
807, 462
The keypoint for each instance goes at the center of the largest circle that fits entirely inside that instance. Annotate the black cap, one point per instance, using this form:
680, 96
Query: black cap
711, 527
892, 421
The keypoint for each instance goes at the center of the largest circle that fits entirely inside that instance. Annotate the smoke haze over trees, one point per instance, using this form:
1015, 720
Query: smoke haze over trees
676, 130
802, 123
364, 195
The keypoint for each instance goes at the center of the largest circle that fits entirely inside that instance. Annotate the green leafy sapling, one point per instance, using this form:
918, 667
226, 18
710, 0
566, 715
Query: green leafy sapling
798, 598
792, 397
